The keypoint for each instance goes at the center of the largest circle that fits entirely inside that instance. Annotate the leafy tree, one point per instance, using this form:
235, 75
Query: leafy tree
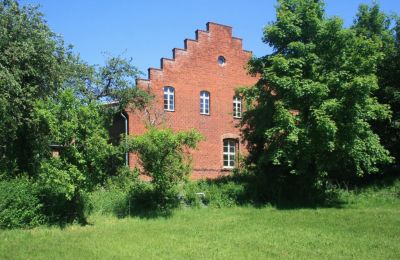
372, 23
32, 67
78, 130
50, 97
115, 83
35, 71
312, 108
164, 156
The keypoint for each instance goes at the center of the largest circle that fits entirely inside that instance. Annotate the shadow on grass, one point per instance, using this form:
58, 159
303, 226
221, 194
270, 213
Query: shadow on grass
258, 192
61, 212
284, 192
146, 203
287, 192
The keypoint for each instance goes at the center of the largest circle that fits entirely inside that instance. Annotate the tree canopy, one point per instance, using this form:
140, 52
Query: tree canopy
371, 22
311, 112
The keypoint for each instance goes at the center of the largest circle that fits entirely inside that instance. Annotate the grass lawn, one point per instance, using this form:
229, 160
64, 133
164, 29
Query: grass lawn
359, 230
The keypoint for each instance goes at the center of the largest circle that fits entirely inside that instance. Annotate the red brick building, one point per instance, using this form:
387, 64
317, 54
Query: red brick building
196, 89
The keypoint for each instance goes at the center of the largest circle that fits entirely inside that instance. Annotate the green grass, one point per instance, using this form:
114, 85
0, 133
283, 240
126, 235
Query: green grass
367, 232
367, 226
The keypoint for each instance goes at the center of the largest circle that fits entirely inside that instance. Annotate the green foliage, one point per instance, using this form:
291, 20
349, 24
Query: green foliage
20, 205
313, 105
164, 156
59, 177
360, 230
33, 64
110, 201
216, 194
372, 23
78, 130
49, 97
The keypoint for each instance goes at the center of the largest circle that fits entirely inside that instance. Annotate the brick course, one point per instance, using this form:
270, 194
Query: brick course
193, 69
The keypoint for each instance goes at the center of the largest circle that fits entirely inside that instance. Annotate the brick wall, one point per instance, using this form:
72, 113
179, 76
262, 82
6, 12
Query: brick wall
193, 69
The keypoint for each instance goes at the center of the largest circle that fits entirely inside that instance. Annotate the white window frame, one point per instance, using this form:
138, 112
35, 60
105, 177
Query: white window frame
229, 156
204, 102
169, 98
237, 107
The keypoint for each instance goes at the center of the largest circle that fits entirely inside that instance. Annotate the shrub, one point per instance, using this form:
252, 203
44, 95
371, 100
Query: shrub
125, 179
61, 192
165, 157
223, 192
20, 206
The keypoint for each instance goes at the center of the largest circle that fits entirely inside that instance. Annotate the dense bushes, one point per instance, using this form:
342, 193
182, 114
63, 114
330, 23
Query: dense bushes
20, 205
224, 192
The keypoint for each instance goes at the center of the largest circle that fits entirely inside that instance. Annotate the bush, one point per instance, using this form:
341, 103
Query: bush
164, 155
61, 187
217, 193
20, 206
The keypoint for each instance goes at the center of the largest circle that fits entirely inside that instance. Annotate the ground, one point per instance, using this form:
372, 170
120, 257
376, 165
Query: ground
365, 228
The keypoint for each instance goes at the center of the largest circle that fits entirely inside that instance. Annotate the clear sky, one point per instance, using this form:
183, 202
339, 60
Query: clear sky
149, 30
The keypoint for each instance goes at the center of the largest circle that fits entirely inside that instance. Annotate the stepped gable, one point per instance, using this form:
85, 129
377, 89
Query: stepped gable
213, 29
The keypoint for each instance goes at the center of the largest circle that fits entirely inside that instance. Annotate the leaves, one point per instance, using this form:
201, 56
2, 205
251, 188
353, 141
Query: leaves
314, 103
164, 155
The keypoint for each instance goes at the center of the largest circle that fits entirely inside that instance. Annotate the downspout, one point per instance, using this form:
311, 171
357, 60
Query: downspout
126, 139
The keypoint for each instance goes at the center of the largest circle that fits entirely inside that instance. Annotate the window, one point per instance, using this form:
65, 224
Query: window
204, 102
230, 153
237, 107
169, 99
221, 60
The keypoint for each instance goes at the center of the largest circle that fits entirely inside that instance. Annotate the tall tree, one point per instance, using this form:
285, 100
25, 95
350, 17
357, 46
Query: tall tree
371, 22
32, 67
313, 105
37, 68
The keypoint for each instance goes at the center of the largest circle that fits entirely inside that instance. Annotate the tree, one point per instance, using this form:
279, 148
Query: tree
313, 105
372, 23
37, 68
78, 131
115, 83
32, 67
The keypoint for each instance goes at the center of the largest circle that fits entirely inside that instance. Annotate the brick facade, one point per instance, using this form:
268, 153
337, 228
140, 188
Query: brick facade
192, 70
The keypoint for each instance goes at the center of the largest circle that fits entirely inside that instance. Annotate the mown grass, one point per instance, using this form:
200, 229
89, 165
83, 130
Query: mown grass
366, 227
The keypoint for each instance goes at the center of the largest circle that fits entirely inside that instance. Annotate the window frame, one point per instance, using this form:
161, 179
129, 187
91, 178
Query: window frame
237, 107
231, 156
169, 98
203, 99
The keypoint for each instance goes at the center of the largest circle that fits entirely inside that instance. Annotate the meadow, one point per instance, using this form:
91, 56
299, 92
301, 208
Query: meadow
365, 226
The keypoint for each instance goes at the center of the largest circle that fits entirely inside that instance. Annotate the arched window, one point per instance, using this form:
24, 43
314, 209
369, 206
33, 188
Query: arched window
169, 99
229, 153
204, 102
237, 107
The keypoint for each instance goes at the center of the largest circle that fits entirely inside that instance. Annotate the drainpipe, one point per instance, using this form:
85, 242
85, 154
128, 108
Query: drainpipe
126, 138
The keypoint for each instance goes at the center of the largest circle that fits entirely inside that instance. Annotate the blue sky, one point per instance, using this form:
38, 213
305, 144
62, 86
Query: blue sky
149, 30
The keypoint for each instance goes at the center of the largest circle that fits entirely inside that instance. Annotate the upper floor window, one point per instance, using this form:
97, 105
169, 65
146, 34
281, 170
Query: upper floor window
169, 99
237, 106
205, 102
230, 153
